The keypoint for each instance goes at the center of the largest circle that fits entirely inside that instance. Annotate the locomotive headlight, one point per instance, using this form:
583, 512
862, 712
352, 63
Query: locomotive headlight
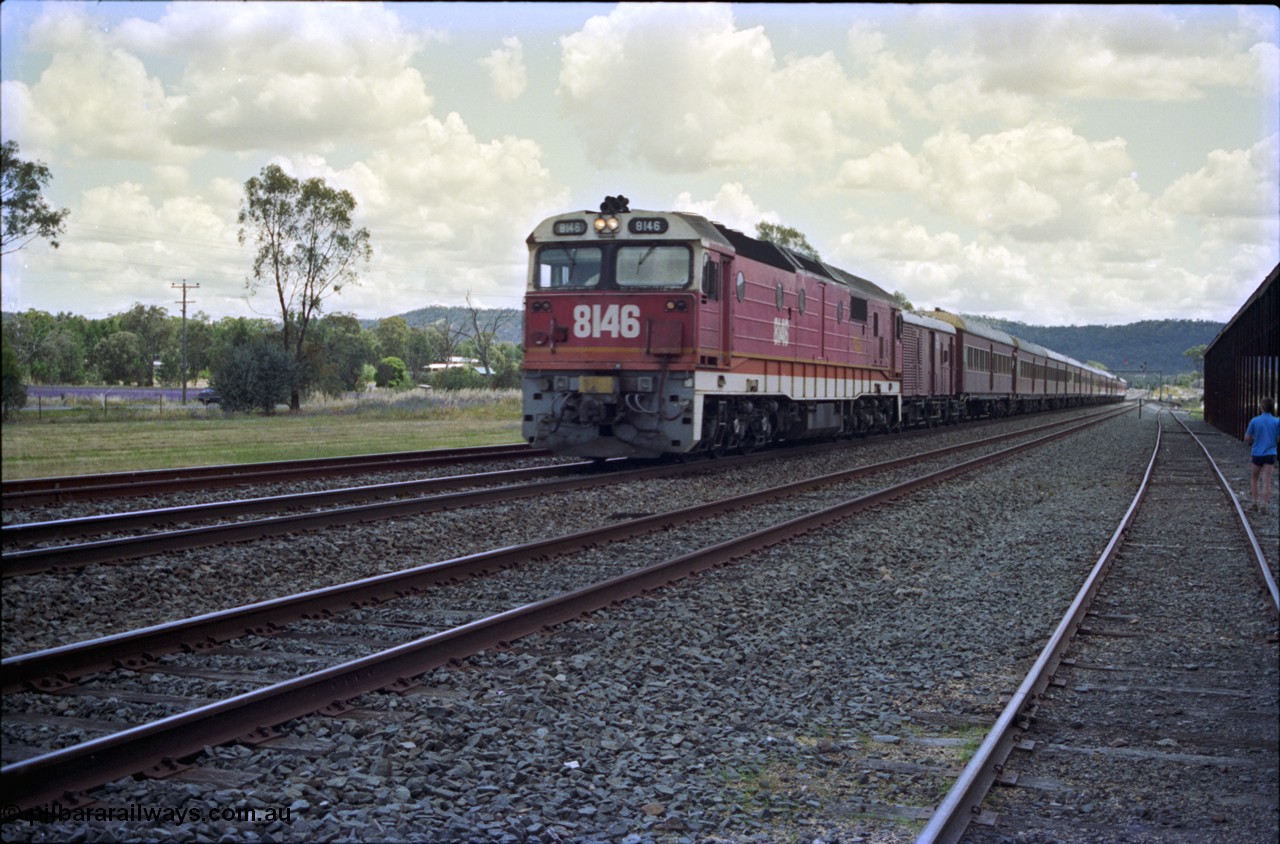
607, 225
676, 305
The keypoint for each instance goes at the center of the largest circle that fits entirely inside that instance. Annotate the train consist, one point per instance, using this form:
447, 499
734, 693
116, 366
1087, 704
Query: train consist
650, 333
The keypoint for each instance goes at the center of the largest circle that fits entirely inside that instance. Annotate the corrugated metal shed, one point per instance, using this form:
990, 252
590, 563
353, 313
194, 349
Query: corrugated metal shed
1242, 364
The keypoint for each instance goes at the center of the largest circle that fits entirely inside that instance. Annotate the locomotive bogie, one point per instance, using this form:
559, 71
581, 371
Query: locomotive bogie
623, 414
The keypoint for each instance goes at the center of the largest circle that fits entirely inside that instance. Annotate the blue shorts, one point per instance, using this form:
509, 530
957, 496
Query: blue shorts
1264, 460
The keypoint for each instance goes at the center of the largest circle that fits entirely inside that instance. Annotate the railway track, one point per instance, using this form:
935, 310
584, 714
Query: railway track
1151, 715
37, 492
450, 632
25, 554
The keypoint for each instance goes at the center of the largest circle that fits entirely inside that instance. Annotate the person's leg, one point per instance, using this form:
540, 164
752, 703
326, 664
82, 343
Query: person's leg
1253, 484
1266, 485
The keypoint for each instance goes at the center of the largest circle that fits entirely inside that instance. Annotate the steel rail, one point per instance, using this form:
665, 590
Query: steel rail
54, 667
38, 491
1262, 570
32, 532
132, 547
32, 561
48, 777
963, 802
35, 491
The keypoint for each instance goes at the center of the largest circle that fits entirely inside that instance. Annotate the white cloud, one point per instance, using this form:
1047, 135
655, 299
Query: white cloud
981, 158
100, 100
296, 74
311, 83
731, 207
890, 168
678, 87
121, 246
1235, 183
1122, 52
23, 122
507, 70
1038, 181
449, 213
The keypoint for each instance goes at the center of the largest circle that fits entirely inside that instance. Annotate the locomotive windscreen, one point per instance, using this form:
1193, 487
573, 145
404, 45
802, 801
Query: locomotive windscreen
568, 267
653, 266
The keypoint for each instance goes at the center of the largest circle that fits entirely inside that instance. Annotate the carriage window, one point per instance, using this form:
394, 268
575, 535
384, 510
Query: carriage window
742, 287
653, 266
800, 299
839, 311
563, 268
779, 296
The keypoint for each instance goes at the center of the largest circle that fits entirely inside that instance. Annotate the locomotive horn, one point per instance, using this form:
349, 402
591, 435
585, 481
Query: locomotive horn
615, 205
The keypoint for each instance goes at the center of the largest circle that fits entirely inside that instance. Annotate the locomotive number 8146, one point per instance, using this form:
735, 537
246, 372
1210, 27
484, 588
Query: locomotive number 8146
651, 333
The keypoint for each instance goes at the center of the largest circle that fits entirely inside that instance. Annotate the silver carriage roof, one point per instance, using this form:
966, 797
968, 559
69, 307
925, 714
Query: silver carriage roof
913, 318
979, 329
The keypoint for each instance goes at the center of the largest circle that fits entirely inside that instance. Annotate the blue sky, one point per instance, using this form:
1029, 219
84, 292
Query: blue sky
1052, 164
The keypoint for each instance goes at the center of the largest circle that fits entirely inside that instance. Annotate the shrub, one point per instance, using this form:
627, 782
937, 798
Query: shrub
391, 372
254, 376
15, 392
458, 378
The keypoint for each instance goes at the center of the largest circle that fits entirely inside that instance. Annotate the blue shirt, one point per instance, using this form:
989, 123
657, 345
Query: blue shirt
1263, 428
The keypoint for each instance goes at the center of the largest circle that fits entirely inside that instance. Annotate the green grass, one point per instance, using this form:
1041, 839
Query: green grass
77, 441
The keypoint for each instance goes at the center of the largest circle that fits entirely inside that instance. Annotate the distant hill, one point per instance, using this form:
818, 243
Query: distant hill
1157, 343
512, 331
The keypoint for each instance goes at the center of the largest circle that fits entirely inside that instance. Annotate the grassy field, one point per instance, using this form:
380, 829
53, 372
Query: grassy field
71, 440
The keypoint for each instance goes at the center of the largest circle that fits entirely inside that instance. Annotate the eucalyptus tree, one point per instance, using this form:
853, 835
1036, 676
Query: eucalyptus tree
393, 337
27, 215
339, 350
157, 332
786, 236
306, 249
483, 332
121, 359
13, 396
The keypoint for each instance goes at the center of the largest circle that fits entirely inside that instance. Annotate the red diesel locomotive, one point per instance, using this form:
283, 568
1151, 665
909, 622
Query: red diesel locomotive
651, 333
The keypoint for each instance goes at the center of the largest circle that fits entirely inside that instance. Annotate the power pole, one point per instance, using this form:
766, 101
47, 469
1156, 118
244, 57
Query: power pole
184, 287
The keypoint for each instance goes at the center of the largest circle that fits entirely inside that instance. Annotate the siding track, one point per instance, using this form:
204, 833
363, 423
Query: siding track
1152, 714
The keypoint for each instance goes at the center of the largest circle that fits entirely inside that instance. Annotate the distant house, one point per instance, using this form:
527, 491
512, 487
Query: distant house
457, 362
